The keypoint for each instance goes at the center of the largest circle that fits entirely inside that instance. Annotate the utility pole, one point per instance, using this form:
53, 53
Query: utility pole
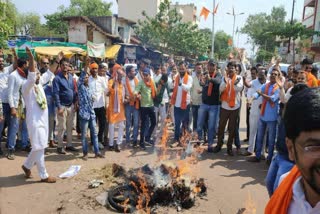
212, 44
234, 22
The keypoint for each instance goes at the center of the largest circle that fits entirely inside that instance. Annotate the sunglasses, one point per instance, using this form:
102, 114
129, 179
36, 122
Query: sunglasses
309, 67
274, 74
46, 63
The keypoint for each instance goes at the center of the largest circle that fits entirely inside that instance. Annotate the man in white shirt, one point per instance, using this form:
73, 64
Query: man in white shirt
230, 89
17, 106
98, 86
181, 101
4, 76
299, 191
255, 85
37, 122
196, 98
46, 82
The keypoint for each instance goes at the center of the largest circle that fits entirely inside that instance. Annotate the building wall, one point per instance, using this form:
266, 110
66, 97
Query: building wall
77, 31
188, 12
98, 37
316, 39
132, 9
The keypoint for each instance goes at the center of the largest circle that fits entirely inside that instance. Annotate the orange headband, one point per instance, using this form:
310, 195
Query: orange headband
94, 65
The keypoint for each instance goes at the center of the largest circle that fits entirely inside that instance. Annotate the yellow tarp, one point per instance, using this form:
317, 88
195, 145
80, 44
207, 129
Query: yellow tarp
112, 51
53, 51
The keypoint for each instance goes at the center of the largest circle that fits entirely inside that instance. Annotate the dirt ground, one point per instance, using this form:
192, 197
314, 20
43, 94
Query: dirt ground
233, 183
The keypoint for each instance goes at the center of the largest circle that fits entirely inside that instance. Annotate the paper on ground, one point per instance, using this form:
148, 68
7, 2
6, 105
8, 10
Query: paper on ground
72, 171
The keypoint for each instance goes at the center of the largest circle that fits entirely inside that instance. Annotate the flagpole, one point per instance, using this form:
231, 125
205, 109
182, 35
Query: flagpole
212, 48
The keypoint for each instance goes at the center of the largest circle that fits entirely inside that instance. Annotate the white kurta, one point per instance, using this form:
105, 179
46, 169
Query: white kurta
36, 118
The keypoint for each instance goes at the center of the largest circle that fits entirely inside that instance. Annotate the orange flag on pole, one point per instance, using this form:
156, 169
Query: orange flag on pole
216, 9
230, 42
205, 13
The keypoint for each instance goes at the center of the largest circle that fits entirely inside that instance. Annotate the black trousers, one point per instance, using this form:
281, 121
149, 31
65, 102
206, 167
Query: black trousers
148, 123
101, 119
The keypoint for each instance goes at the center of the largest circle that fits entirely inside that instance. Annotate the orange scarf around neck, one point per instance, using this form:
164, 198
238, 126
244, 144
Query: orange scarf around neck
184, 93
229, 94
264, 102
211, 84
311, 80
281, 198
150, 84
133, 101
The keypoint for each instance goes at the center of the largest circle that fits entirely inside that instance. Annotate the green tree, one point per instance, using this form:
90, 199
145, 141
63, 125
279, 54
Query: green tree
55, 21
167, 33
8, 13
221, 47
28, 24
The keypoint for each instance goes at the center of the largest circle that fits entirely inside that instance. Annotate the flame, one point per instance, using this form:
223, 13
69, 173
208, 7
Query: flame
124, 204
144, 195
250, 207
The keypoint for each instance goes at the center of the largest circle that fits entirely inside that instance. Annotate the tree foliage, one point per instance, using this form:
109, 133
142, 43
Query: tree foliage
221, 47
8, 13
259, 27
167, 33
295, 30
28, 24
56, 23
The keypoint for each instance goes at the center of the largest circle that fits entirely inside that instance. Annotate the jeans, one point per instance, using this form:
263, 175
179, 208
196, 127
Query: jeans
15, 123
93, 134
160, 111
6, 111
101, 118
212, 111
262, 126
181, 116
132, 115
148, 123
195, 110
279, 166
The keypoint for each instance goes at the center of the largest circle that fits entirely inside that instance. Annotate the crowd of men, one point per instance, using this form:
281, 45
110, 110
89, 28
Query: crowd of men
108, 97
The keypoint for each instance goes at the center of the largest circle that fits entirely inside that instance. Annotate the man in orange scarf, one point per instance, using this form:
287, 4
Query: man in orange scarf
307, 67
181, 100
299, 191
230, 89
132, 105
270, 93
146, 92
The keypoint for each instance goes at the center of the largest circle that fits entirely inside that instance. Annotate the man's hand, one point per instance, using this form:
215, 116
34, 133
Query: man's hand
259, 92
60, 111
76, 107
279, 83
237, 80
13, 112
59, 57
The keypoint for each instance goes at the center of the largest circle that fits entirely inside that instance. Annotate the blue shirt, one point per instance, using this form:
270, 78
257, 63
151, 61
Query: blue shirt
270, 113
86, 110
64, 90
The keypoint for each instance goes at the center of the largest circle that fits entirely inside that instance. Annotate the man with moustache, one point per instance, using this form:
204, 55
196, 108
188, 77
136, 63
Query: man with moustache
299, 189
181, 101
268, 115
210, 102
37, 122
17, 106
255, 104
65, 97
230, 89
4, 77
132, 106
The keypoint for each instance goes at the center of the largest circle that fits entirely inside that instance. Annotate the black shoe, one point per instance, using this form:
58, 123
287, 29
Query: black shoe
210, 150
216, 149
245, 140
26, 149
71, 149
116, 148
10, 155
149, 143
230, 152
142, 146
253, 159
134, 144
111, 148
61, 151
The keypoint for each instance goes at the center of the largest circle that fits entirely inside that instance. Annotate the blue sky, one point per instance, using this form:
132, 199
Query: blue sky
222, 20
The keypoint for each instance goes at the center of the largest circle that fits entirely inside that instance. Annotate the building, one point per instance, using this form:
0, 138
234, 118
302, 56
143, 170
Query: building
133, 9
311, 19
188, 12
101, 29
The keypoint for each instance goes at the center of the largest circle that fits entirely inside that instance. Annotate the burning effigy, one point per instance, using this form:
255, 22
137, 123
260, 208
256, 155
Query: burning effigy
169, 183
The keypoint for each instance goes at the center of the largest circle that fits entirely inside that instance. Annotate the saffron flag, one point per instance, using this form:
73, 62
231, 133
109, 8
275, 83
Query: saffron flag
205, 13
216, 9
230, 42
